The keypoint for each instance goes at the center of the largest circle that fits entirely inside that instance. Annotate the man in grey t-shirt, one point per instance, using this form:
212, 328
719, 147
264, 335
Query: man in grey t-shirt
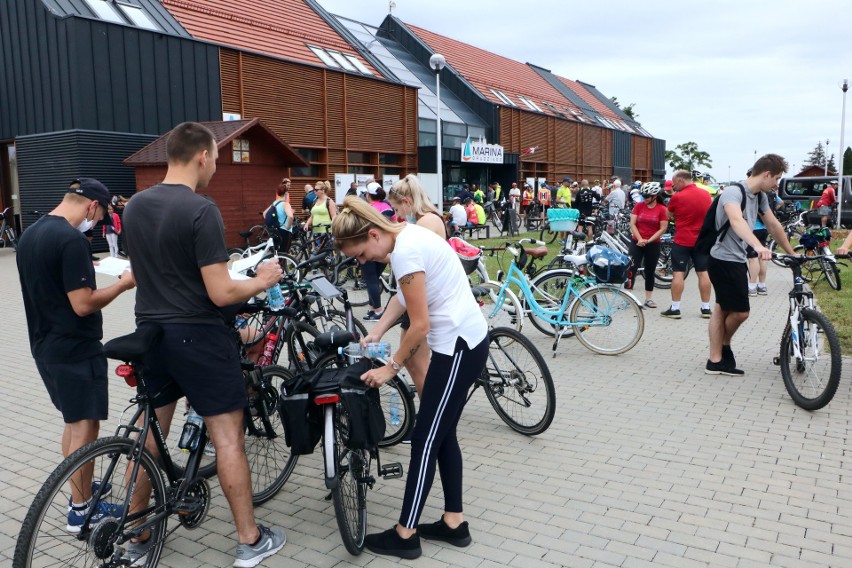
728, 264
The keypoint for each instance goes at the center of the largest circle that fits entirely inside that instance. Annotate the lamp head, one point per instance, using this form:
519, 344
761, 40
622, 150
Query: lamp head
437, 62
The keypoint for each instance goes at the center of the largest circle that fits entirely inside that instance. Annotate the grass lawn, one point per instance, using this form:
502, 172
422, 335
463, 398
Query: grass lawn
837, 304
501, 260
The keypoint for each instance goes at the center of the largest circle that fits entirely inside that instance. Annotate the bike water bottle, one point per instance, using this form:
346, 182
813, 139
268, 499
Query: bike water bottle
191, 431
268, 350
394, 408
274, 298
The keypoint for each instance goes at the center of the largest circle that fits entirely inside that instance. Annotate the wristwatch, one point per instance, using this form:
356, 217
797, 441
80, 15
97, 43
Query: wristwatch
394, 365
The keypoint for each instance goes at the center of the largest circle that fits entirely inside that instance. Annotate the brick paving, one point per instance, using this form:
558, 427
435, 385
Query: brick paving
649, 462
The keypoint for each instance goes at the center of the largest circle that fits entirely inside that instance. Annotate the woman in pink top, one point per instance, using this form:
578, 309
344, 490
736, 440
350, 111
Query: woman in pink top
648, 222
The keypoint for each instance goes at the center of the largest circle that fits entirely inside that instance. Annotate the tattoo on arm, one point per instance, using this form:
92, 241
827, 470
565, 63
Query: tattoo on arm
411, 354
406, 279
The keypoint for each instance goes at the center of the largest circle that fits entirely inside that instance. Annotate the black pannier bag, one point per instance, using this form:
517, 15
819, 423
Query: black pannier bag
362, 415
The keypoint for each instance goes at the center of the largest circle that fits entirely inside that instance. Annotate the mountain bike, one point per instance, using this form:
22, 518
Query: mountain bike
8, 236
810, 357
816, 243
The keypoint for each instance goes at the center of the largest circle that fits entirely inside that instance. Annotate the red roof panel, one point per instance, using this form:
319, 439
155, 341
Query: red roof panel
486, 71
280, 28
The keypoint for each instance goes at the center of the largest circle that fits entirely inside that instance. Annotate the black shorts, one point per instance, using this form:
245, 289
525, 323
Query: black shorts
201, 362
730, 283
681, 255
762, 235
79, 389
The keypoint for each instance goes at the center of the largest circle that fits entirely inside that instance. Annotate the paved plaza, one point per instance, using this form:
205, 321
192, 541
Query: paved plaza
649, 462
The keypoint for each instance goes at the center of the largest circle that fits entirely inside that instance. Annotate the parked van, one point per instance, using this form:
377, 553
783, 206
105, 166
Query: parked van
808, 190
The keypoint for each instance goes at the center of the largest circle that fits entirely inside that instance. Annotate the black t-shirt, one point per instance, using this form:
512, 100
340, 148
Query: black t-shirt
169, 233
54, 258
585, 200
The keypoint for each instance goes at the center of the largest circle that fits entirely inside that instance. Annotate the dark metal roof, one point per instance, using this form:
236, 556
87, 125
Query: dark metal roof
154, 154
152, 8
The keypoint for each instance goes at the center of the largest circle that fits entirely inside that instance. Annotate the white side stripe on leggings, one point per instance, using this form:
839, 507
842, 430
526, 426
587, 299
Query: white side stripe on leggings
430, 439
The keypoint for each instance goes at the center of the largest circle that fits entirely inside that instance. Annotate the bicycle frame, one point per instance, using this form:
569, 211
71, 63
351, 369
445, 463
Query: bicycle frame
799, 299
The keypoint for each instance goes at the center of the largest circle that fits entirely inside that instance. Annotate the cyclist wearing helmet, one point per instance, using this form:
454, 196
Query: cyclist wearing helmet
636, 192
648, 222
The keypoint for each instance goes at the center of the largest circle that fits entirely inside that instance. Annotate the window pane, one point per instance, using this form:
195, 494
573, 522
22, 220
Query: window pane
358, 65
324, 57
427, 125
309, 172
104, 11
359, 158
454, 129
309, 154
476, 132
427, 139
342, 60
139, 17
390, 159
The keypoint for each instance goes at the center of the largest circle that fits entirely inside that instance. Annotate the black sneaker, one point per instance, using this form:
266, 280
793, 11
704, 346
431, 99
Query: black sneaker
706, 313
459, 536
722, 368
670, 313
728, 356
390, 543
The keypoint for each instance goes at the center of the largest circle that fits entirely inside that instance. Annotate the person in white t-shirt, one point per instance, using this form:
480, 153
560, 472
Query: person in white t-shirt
458, 214
432, 287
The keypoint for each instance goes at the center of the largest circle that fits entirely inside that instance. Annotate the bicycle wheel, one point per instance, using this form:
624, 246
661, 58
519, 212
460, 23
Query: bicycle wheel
549, 289
812, 381
351, 279
332, 319
46, 538
259, 234
615, 321
510, 314
269, 457
301, 354
832, 273
349, 493
664, 273
517, 382
810, 270
396, 400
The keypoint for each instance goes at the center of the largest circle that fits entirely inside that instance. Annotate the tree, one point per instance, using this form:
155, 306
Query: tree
817, 157
687, 157
847, 161
628, 110
832, 167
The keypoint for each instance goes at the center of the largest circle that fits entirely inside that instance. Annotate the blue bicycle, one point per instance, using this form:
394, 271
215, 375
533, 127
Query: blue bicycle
604, 318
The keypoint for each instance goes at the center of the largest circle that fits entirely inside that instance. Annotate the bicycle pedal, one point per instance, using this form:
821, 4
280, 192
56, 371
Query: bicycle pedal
391, 471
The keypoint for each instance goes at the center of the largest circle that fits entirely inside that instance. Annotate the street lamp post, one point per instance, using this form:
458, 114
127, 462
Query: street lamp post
827, 142
840, 180
437, 62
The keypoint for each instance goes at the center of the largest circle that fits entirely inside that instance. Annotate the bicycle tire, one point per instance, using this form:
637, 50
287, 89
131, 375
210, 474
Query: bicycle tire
299, 343
349, 493
259, 234
664, 274
549, 289
510, 314
394, 433
44, 539
351, 279
832, 273
603, 306
510, 378
809, 383
332, 319
269, 458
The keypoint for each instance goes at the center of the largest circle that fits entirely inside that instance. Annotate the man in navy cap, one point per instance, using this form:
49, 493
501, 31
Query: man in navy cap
63, 308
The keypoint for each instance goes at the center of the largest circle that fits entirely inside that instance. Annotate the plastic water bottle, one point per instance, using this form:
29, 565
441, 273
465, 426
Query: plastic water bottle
380, 350
274, 298
268, 350
394, 408
191, 431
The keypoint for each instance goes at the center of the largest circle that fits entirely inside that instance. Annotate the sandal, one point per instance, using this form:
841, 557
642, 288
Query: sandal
650, 304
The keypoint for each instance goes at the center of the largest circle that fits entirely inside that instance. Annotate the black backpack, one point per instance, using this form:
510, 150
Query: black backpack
708, 235
271, 219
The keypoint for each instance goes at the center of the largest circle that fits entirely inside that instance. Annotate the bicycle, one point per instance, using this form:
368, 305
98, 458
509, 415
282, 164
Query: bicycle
117, 462
8, 236
810, 356
590, 311
815, 243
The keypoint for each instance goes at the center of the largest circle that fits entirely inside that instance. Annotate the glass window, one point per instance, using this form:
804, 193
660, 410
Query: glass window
425, 125
312, 171
427, 138
454, 129
531, 105
105, 11
309, 154
368, 170
390, 159
476, 132
139, 17
359, 158
342, 60
240, 148
358, 65
324, 57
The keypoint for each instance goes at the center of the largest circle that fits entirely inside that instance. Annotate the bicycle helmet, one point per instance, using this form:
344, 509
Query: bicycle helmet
651, 188
636, 184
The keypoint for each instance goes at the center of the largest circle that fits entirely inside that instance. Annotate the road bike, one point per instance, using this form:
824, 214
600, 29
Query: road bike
810, 357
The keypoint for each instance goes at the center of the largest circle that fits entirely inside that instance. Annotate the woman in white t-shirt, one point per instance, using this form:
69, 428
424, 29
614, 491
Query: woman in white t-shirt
431, 284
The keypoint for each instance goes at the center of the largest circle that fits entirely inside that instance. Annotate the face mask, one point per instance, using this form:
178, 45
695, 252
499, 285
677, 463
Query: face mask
86, 225
411, 219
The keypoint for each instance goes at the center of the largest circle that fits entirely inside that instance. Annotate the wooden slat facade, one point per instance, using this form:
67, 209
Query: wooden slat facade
567, 148
328, 112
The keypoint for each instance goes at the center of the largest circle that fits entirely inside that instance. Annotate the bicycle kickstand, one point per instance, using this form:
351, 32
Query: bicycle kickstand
557, 336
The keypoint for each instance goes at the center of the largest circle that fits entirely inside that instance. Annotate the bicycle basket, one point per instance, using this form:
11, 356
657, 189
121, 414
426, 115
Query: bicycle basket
468, 254
563, 219
609, 266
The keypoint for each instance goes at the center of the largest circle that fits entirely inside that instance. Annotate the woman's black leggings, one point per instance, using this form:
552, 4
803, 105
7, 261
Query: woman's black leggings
371, 271
647, 257
448, 381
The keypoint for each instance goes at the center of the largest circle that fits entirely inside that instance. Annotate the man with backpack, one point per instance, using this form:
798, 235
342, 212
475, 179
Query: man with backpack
584, 201
733, 216
687, 207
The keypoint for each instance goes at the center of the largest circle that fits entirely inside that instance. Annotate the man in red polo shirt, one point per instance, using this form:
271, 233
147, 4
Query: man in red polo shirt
826, 202
687, 207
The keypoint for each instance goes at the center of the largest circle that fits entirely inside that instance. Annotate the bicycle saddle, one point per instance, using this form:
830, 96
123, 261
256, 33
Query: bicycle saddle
538, 252
133, 347
245, 234
333, 339
479, 291
579, 235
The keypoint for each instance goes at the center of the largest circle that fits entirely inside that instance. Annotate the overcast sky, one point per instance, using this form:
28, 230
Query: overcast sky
733, 76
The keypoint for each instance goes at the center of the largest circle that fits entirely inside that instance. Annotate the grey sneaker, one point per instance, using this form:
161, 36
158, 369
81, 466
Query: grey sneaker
761, 290
752, 291
137, 551
271, 541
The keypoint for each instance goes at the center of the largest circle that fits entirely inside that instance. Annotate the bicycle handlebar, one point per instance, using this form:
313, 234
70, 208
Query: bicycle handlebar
798, 259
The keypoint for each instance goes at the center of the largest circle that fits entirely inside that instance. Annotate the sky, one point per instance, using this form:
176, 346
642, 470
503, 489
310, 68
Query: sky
735, 77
